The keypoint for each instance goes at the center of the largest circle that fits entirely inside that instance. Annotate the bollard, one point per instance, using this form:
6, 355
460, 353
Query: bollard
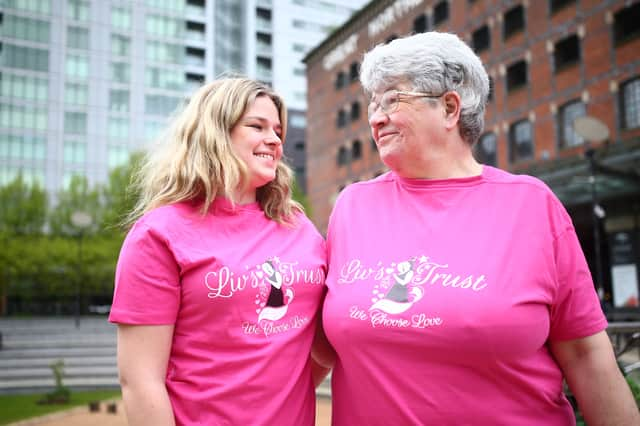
112, 408
94, 406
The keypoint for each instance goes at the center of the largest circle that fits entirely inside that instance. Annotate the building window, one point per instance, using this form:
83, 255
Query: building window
119, 100
75, 123
120, 45
76, 67
161, 105
420, 24
78, 10
566, 52
440, 13
566, 116
75, 152
23, 86
481, 38
486, 149
356, 150
513, 21
118, 128
121, 17
340, 80
556, 5
520, 141
354, 71
24, 28
631, 104
195, 57
626, 24
355, 111
299, 121
120, 72
76, 94
299, 146
341, 120
516, 75
343, 156
78, 38
24, 57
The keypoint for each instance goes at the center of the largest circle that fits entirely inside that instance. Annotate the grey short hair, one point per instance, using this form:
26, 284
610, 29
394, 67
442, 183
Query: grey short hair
432, 62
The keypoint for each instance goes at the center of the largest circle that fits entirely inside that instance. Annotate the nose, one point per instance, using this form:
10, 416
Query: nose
377, 118
273, 139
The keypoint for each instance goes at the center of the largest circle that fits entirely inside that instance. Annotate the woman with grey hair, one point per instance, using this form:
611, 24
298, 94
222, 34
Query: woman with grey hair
499, 305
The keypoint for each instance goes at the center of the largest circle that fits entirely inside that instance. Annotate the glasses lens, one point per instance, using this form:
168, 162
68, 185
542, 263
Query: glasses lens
389, 101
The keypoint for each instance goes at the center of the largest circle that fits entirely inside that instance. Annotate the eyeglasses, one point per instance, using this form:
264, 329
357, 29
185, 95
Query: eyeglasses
388, 102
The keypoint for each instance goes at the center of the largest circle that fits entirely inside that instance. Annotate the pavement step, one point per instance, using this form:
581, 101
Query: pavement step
69, 372
10, 386
46, 361
56, 352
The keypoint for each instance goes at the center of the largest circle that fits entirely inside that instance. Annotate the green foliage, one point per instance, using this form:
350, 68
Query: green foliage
25, 406
23, 208
635, 389
61, 394
78, 197
299, 196
118, 196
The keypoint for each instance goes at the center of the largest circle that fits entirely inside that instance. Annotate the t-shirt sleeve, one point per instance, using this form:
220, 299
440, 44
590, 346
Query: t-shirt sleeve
147, 283
576, 310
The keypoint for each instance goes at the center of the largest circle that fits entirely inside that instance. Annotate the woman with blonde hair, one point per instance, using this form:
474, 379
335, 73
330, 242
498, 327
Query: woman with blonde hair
197, 341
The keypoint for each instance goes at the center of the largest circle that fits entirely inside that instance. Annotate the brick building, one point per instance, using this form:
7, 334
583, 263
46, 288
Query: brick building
550, 62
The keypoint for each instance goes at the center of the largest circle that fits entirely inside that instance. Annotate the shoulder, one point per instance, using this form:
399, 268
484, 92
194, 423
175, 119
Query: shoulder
496, 176
365, 188
168, 219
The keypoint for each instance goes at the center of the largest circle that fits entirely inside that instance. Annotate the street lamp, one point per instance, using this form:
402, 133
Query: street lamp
81, 220
593, 130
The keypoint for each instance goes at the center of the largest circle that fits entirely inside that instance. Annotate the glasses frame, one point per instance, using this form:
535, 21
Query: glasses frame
394, 106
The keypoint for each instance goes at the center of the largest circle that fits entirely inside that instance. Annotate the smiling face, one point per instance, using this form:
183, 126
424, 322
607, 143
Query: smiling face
407, 136
256, 140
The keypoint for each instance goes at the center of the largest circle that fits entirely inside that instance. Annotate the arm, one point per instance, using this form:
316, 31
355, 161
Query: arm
143, 353
592, 373
323, 357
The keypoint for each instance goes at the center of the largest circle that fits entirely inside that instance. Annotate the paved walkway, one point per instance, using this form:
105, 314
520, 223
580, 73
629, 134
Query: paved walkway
82, 417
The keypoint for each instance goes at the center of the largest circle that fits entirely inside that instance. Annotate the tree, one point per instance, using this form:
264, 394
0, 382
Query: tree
299, 196
118, 198
78, 197
23, 208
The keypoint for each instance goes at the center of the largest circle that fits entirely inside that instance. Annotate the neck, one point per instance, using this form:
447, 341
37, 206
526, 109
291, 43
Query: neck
456, 161
244, 197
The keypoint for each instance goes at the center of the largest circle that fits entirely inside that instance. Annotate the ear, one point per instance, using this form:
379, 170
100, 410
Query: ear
452, 109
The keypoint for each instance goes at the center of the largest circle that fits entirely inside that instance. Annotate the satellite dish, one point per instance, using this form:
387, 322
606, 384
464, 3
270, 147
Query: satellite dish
591, 129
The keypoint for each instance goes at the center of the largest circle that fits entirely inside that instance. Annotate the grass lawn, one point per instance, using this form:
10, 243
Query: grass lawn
20, 407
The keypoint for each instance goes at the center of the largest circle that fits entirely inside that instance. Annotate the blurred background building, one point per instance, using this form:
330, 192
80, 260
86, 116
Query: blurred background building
85, 82
550, 62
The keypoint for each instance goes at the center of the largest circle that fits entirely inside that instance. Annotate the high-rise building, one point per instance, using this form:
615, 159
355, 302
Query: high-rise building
85, 82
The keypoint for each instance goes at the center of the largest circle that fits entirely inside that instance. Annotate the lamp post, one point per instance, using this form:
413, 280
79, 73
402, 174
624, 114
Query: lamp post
81, 220
593, 130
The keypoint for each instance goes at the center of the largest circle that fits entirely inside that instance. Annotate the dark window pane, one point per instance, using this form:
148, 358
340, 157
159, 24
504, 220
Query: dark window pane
513, 21
566, 52
356, 150
420, 24
556, 5
440, 12
486, 149
520, 141
516, 75
481, 38
626, 24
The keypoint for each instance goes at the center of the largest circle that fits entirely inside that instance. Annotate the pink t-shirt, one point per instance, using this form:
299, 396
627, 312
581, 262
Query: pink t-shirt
243, 293
443, 295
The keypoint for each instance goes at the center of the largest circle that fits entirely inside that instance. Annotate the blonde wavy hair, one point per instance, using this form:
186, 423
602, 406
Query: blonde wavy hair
195, 158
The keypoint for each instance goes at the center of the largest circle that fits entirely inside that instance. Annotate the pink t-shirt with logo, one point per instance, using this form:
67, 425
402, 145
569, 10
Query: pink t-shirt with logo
442, 298
243, 293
